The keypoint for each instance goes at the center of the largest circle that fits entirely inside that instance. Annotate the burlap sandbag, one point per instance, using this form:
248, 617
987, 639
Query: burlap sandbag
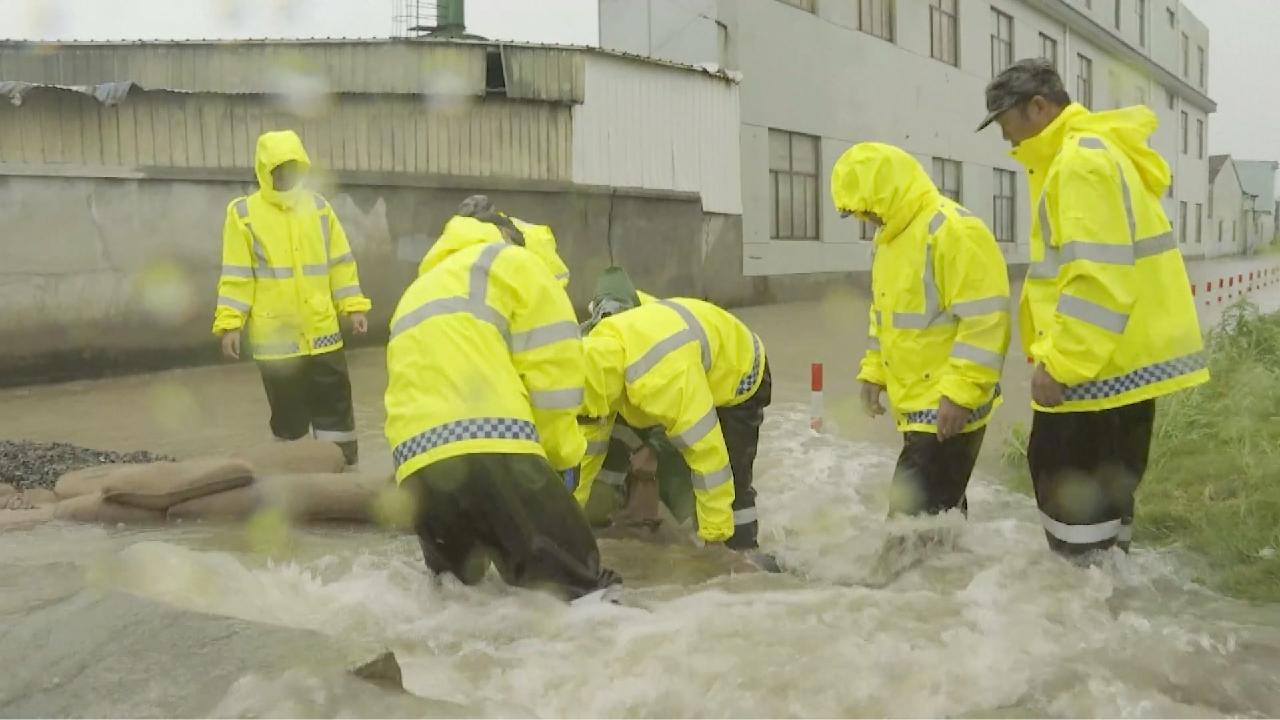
227, 506
159, 486
303, 498
87, 481
95, 508
320, 497
23, 519
296, 457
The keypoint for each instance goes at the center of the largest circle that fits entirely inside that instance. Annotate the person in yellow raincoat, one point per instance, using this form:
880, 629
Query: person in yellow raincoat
1106, 311
485, 380
288, 272
698, 374
939, 322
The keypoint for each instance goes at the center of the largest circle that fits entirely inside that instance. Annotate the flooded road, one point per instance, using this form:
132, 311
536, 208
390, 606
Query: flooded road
983, 622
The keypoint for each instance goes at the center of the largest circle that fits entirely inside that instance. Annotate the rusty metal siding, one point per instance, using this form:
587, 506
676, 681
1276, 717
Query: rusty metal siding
656, 127
489, 137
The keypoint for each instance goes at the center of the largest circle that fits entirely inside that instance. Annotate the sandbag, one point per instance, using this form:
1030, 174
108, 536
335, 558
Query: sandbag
320, 496
159, 486
303, 498
87, 481
228, 506
23, 519
296, 457
95, 508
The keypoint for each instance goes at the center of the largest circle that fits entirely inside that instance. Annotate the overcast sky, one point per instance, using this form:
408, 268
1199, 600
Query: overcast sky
1243, 49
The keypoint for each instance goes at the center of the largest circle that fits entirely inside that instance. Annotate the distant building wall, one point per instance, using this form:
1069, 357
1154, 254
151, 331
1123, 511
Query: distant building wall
1224, 234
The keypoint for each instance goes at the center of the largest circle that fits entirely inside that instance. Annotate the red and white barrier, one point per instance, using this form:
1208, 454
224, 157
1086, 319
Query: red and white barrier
1233, 287
815, 397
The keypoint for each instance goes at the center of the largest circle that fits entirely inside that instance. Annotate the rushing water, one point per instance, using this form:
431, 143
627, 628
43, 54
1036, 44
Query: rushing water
983, 621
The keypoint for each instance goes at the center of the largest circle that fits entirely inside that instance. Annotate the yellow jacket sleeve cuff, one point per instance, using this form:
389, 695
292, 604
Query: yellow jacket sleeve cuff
872, 369
964, 392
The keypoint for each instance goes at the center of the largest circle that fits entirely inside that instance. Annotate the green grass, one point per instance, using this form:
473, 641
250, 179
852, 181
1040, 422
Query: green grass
1213, 482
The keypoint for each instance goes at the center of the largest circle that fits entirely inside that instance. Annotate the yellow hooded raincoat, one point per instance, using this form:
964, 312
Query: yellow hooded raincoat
286, 266
461, 231
670, 363
1107, 306
940, 290
485, 356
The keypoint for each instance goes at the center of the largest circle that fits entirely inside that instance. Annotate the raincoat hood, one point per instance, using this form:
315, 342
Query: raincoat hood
275, 149
458, 234
1126, 130
883, 180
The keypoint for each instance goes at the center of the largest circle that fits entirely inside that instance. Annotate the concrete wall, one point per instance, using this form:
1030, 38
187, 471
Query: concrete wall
105, 273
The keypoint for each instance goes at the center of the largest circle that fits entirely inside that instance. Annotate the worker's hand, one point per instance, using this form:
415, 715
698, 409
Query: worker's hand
359, 323
644, 462
231, 344
1046, 391
871, 398
951, 418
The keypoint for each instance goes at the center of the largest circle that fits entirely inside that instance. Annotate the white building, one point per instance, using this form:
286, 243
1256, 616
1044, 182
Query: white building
821, 75
1230, 230
1258, 178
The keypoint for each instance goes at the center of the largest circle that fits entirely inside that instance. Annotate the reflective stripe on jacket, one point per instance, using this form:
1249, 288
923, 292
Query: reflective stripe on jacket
287, 269
670, 364
484, 357
939, 317
1107, 305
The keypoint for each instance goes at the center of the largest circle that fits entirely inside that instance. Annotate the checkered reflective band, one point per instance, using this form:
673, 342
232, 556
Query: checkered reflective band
749, 379
930, 416
468, 429
1142, 377
325, 341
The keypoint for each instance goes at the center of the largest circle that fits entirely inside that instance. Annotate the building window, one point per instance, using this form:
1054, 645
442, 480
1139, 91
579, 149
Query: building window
806, 5
1199, 223
1001, 41
868, 231
1182, 222
1186, 56
1170, 194
1200, 139
1203, 66
1049, 49
1220, 224
1170, 98
944, 36
1186, 146
1142, 23
875, 17
946, 173
793, 185
1084, 81
1141, 95
1003, 222
1173, 17
1117, 19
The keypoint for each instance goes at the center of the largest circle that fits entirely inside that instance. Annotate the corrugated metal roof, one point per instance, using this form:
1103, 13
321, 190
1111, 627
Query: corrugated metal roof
111, 93
711, 69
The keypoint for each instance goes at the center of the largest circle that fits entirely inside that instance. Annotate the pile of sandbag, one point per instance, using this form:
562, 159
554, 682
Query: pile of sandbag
304, 480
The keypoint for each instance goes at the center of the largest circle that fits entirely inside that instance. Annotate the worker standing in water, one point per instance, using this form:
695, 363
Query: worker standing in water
1106, 311
485, 379
697, 373
939, 322
288, 272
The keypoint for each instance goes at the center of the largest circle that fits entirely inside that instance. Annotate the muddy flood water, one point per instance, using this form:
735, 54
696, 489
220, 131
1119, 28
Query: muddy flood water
197, 620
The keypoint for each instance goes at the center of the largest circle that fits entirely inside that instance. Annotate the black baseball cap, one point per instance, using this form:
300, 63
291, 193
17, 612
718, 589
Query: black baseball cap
1020, 82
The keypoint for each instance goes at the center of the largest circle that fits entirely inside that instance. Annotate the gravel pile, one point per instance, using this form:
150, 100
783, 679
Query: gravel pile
26, 464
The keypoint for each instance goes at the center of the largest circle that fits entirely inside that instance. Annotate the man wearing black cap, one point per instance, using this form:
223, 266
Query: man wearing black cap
1106, 311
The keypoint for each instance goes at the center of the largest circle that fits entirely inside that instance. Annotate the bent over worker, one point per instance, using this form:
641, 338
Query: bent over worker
288, 272
939, 322
537, 239
485, 378
698, 373
1106, 311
